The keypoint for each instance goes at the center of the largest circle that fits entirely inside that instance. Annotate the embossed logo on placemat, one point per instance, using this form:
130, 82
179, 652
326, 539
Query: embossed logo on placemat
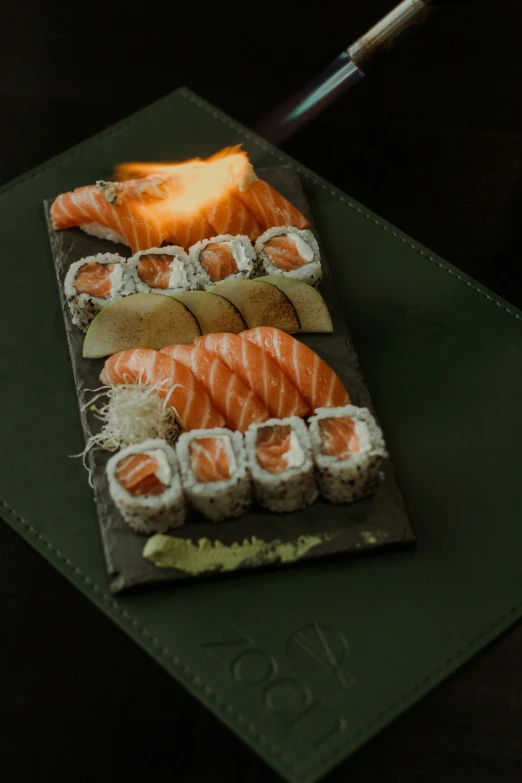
284, 701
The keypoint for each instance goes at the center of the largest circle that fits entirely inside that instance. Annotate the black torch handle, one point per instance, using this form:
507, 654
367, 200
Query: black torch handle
389, 31
347, 69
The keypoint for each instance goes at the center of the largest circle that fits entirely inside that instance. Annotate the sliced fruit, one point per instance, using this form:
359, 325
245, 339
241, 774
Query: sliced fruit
308, 302
260, 304
140, 321
214, 313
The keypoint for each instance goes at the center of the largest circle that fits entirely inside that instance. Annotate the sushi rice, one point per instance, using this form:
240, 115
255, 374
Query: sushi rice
242, 253
85, 306
293, 486
181, 274
222, 499
354, 473
305, 256
153, 513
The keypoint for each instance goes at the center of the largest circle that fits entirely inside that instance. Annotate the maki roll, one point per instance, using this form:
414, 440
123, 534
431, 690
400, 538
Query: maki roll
145, 486
291, 252
348, 448
93, 282
162, 270
224, 257
214, 473
280, 462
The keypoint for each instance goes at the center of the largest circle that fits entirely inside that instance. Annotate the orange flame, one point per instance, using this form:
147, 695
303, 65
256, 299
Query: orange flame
188, 190
234, 155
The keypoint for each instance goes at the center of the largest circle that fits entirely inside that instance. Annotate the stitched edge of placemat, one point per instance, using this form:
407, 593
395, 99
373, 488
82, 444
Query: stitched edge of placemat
127, 619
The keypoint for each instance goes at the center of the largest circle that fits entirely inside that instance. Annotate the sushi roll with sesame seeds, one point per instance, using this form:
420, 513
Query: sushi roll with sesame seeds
93, 282
223, 257
348, 449
214, 472
145, 485
280, 462
162, 270
291, 252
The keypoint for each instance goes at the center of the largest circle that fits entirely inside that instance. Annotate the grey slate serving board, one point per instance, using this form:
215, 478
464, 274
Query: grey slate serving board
373, 525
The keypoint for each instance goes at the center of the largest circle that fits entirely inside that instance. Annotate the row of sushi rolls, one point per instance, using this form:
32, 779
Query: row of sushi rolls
210, 401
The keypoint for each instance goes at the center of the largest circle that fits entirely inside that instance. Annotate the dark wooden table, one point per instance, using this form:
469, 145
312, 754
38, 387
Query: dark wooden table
433, 143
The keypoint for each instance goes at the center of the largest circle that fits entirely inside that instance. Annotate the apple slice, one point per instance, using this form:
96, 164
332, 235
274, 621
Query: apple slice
260, 304
140, 321
308, 302
214, 313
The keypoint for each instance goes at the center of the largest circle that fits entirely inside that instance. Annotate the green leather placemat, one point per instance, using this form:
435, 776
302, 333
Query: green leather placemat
304, 665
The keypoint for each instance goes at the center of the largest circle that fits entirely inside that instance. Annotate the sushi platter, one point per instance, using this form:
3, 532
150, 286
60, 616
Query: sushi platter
228, 426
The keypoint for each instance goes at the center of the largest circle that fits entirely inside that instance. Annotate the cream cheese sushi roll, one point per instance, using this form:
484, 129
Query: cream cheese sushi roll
291, 252
145, 485
162, 270
280, 463
348, 449
224, 257
214, 473
93, 282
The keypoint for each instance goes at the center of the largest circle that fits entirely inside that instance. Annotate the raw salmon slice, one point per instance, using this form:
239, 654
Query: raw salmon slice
155, 270
137, 474
318, 384
127, 217
218, 260
338, 436
173, 381
270, 208
258, 371
283, 253
229, 215
209, 459
94, 279
230, 396
272, 446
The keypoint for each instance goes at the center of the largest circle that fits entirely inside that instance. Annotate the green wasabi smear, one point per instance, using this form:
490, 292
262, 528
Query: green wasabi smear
205, 555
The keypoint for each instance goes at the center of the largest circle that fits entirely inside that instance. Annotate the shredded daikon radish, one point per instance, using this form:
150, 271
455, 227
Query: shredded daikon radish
130, 414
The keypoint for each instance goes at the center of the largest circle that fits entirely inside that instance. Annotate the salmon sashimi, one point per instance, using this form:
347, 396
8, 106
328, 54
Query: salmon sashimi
209, 459
156, 270
137, 473
230, 396
172, 381
94, 279
338, 437
272, 447
258, 371
218, 261
318, 384
270, 208
283, 252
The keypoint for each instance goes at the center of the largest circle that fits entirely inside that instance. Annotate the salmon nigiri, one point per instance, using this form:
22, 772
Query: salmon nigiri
232, 398
135, 212
173, 381
179, 204
319, 385
270, 208
258, 371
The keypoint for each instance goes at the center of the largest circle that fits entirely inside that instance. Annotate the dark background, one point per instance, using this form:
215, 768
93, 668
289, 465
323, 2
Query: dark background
433, 143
